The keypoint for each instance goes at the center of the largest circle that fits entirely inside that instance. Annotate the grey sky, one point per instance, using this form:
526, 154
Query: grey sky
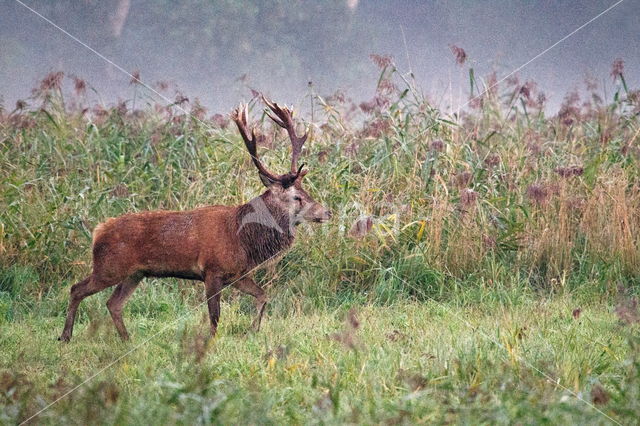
205, 47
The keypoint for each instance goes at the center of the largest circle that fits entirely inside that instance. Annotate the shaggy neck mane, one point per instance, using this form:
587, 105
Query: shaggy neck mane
264, 229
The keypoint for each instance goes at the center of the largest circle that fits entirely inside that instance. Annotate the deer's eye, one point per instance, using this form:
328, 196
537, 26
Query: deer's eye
296, 198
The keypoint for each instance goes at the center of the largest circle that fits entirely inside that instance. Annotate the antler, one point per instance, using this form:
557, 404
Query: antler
239, 116
284, 118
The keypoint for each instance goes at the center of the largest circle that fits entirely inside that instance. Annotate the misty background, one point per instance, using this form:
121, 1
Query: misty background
217, 50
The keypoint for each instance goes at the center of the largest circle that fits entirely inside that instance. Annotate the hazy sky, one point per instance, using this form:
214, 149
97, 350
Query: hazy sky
215, 50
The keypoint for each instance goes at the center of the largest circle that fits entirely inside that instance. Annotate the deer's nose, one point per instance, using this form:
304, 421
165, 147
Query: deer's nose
328, 213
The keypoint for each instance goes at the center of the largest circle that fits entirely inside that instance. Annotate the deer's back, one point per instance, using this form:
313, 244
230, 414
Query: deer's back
167, 243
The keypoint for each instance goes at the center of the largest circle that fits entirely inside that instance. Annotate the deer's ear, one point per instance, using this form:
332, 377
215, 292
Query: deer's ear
267, 181
302, 173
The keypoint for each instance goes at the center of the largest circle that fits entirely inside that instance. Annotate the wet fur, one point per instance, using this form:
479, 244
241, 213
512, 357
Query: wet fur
261, 242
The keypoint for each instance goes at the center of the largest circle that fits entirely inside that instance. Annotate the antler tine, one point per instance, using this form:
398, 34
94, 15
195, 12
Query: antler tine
239, 116
284, 118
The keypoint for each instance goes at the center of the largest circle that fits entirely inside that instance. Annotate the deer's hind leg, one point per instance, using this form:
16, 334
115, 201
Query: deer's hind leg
79, 291
116, 302
247, 285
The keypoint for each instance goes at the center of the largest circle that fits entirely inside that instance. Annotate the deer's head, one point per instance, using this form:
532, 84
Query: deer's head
285, 189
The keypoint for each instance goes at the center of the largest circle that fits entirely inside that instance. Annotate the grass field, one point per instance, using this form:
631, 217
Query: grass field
405, 362
481, 268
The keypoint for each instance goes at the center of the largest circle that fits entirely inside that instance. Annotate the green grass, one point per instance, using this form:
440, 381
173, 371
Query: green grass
489, 230
425, 362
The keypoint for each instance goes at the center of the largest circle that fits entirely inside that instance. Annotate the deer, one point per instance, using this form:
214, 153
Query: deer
219, 245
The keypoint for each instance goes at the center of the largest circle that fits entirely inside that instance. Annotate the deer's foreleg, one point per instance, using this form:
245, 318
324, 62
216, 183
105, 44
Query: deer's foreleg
213, 287
247, 285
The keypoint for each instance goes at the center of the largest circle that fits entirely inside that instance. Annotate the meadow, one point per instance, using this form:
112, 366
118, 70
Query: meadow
482, 267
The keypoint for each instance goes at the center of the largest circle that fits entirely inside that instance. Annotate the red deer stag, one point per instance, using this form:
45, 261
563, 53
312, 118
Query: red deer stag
220, 245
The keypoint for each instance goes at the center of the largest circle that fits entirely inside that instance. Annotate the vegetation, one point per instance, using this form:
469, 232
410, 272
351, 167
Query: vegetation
481, 267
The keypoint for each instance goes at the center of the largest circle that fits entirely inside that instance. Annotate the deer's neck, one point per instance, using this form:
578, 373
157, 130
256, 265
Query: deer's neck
264, 229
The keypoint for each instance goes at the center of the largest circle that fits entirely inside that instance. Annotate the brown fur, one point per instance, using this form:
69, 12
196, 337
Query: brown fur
219, 245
